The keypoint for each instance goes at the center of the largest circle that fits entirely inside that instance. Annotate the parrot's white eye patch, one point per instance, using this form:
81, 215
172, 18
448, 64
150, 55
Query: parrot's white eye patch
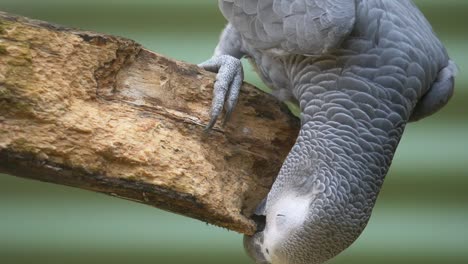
291, 210
280, 220
286, 215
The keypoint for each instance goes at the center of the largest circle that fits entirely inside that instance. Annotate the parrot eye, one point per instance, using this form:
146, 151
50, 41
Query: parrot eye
280, 219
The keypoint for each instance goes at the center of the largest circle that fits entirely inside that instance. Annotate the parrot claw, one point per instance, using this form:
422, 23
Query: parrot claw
227, 86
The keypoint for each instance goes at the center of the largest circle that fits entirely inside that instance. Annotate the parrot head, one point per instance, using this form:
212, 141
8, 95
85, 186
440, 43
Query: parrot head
307, 222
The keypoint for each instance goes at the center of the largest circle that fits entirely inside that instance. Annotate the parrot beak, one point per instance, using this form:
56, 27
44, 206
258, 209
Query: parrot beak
253, 246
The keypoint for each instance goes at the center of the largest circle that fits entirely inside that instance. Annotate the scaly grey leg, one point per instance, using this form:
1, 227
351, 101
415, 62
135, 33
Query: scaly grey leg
227, 86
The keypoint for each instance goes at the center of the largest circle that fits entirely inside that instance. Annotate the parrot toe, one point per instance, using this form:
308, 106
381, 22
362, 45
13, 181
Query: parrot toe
227, 86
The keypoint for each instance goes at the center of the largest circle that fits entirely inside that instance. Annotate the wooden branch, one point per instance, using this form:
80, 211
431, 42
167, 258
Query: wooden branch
102, 113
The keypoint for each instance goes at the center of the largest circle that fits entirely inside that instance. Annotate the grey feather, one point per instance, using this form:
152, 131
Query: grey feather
359, 70
296, 26
438, 95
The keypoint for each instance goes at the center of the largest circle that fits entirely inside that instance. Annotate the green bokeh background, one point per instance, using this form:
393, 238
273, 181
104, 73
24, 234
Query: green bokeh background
421, 215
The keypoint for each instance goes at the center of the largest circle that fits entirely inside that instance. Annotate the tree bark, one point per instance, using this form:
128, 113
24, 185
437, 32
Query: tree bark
102, 113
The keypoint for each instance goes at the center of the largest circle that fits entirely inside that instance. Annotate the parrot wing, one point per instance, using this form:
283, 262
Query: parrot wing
296, 26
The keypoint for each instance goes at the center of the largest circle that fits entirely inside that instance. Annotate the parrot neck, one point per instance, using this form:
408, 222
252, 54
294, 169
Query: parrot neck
345, 146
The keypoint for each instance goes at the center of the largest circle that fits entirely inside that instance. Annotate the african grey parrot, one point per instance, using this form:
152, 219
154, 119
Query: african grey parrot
359, 71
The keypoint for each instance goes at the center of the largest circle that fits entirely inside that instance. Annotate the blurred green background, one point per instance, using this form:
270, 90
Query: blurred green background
421, 215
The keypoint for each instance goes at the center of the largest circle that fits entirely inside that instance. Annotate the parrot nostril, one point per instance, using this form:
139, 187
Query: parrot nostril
260, 220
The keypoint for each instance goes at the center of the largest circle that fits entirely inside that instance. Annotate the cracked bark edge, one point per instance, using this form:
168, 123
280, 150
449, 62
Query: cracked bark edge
26, 165
103, 113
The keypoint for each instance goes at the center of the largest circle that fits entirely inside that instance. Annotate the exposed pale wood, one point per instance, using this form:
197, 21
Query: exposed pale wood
102, 113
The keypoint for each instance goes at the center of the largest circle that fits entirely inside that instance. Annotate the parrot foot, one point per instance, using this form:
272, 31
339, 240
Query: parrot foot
227, 86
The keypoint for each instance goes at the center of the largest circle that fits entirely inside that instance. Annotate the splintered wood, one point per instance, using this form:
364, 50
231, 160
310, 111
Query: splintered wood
102, 113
